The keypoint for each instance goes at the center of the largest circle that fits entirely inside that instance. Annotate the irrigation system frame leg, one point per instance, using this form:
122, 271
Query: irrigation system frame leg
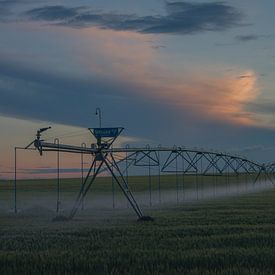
84, 189
123, 186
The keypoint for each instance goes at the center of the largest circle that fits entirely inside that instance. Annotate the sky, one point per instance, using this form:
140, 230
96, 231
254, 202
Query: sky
191, 73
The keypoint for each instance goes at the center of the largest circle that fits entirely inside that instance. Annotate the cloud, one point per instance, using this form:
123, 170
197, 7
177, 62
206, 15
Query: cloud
181, 18
219, 98
41, 90
250, 37
261, 153
265, 110
111, 65
53, 13
246, 76
5, 5
245, 38
254, 148
135, 89
121, 70
5, 8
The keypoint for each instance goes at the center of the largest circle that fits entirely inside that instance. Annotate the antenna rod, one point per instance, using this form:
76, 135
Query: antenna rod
98, 112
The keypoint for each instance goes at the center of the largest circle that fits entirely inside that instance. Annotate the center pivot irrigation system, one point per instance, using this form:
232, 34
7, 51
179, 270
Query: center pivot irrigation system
164, 159
103, 158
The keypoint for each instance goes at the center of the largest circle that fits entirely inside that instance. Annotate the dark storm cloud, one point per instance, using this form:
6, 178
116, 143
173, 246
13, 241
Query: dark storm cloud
181, 18
30, 92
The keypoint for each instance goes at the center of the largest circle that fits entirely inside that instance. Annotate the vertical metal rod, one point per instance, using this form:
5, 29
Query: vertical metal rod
246, 178
15, 180
150, 182
177, 182
98, 112
183, 191
197, 183
216, 180
159, 187
228, 182
83, 145
258, 176
82, 176
201, 180
126, 172
58, 181
213, 179
113, 186
224, 173
238, 178
56, 141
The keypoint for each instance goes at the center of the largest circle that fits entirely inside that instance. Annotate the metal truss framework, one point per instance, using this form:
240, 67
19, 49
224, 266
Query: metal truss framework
167, 159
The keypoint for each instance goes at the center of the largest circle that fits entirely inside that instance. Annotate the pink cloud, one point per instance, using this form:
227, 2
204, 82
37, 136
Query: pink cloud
127, 57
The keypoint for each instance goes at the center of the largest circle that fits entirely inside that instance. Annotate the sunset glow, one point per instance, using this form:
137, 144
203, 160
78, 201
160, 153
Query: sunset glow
164, 79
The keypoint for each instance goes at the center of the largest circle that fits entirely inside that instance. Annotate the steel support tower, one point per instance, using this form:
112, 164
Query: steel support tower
103, 159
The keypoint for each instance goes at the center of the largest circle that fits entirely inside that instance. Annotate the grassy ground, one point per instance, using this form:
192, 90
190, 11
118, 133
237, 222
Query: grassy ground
233, 236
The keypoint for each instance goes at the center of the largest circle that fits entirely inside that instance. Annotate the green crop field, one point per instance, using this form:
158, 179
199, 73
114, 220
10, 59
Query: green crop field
137, 183
167, 188
233, 235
